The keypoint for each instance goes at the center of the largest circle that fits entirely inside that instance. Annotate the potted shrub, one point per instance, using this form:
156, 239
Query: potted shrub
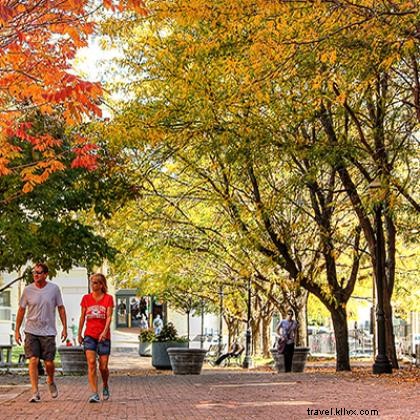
73, 360
186, 361
168, 337
146, 338
298, 363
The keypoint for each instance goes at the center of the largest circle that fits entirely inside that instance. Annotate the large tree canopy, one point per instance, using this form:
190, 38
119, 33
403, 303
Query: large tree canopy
38, 40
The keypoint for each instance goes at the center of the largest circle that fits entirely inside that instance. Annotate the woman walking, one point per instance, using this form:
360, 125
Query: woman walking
96, 316
286, 329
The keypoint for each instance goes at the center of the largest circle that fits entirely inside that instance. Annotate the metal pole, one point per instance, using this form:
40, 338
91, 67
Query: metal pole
202, 325
382, 364
219, 350
247, 363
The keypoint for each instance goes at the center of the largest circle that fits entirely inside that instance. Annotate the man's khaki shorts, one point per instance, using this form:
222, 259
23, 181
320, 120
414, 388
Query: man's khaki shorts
40, 346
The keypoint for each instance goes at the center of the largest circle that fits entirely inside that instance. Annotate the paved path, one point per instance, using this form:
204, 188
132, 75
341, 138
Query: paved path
144, 393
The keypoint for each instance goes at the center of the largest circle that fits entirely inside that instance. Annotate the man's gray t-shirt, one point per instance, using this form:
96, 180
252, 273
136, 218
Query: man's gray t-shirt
288, 330
40, 307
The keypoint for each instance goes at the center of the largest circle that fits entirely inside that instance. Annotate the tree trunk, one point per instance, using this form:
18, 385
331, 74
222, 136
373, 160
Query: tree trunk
389, 334
339, 319
301, 339
256, 336
266, 335
389, 288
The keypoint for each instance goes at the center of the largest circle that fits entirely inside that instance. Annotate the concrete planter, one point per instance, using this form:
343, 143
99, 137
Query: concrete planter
299, 359
278, 361
73, 360
160, 357
186, 361
145, 348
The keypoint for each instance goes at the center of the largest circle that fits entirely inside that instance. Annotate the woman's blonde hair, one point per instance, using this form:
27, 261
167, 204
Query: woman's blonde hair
102, 279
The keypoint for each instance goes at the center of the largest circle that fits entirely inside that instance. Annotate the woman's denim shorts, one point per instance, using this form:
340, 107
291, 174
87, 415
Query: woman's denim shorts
103, 348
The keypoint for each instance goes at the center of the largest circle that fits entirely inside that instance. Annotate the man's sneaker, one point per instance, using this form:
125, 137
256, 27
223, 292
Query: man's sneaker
105, 393
35, 398
94, 398
53, 389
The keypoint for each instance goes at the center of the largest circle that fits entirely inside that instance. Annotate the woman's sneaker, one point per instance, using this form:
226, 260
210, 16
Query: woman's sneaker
105, 393
94, 398
35, 398
53, 390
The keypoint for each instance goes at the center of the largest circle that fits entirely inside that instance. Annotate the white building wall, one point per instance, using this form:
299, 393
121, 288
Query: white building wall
210, 330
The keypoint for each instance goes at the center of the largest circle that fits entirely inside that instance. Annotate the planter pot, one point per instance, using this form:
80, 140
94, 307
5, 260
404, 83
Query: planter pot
186, 361
145, 348
160, 357
73, 360
278, 361
299, 359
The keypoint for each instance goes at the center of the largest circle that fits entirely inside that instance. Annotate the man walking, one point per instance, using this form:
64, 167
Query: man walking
39, 300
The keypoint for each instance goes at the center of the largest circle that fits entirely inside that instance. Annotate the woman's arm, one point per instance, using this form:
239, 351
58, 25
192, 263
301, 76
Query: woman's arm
81, 323
104, 333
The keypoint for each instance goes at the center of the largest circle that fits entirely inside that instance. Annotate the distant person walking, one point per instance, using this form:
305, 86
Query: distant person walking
286, 329
39, 301
143, 323
96, 316
157, 324
74, 331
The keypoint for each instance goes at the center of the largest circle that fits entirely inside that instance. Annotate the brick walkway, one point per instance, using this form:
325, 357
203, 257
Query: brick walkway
216, 394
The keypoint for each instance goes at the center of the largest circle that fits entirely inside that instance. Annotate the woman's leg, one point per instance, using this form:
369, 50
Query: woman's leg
92, 377
103, 368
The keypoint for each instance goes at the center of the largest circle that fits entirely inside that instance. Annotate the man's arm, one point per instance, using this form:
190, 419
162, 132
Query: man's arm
63, 318
279, 329
19, 319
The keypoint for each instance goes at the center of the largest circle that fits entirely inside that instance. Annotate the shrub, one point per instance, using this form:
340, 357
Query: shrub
169, 333
147, 336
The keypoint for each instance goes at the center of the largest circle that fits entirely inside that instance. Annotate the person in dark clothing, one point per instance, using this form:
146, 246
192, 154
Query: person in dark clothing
235, 350
286, 329
143, 307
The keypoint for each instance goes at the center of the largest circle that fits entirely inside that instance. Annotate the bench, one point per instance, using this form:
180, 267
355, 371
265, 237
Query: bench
6, 355
235, 358
214, 351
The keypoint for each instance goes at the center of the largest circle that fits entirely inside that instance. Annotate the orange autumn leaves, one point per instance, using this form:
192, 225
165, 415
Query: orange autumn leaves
38, 40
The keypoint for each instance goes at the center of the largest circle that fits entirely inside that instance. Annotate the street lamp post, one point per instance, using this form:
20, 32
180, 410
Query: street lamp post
247, 363
202, 324
382, 363
219, 350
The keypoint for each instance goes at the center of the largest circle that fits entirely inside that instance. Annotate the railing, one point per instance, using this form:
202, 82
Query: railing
360, 343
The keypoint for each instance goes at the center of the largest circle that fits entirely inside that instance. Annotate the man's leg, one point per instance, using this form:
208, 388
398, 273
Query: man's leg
50, 368
221, 358
32, 353
33, 373
48, 349
287, 358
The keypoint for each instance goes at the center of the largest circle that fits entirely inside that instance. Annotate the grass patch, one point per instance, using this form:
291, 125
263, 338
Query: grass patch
18, 350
